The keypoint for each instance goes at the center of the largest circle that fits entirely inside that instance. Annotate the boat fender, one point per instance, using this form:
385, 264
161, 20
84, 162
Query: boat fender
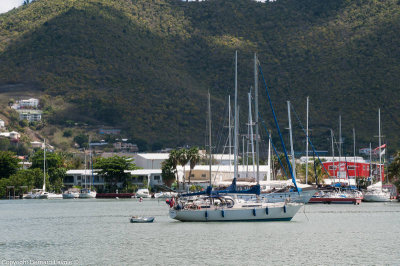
266, 210
254, 212
223, 213
284, 208
198, 207
206, 214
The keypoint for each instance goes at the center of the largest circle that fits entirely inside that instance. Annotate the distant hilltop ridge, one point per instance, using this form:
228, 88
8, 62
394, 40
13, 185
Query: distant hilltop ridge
146, 66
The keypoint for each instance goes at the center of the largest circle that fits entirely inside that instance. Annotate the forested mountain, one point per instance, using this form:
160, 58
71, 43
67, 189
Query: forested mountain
146, 65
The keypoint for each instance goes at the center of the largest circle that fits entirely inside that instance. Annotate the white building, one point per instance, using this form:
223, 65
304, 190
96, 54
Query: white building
152, 176
150, 160
14, 135
24, 165
30, 115
2, 124
30, 103
82, 177
223, 159
37, 144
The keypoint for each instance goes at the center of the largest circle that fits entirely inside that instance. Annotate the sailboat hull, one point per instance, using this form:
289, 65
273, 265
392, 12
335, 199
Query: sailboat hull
271, 213
377, 197
87, 195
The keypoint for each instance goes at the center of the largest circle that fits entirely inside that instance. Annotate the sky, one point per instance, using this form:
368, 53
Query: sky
6, 5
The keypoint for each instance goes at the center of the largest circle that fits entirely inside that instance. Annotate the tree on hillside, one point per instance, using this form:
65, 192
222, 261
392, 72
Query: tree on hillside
8, 164
112, 169
82, 140
194, 158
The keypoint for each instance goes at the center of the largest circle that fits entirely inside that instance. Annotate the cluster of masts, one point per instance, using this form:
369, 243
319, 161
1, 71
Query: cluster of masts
254, 137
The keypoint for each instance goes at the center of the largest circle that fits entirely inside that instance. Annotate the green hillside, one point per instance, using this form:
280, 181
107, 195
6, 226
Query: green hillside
146, 66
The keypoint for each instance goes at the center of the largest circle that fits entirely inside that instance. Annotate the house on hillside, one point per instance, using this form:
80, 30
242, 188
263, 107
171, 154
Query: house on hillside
125, 146
30, 115
37, 144
2, 124
31, 103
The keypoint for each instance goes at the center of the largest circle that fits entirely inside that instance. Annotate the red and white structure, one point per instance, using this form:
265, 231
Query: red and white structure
347, 171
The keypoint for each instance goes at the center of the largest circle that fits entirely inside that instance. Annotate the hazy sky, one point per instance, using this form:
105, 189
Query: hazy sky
6, 5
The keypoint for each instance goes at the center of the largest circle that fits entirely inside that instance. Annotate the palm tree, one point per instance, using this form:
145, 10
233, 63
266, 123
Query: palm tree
315, 172
173, 160
183, 160
194, 157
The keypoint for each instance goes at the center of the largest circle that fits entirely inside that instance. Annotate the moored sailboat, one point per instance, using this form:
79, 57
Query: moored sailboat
376, 193
224, 205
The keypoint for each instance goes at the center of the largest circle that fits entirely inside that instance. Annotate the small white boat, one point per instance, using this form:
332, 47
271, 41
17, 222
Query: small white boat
71, 194
140, 219
143, 193
87, 194
34, 194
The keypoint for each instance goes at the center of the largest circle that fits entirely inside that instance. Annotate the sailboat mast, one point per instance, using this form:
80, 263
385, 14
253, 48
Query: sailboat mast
209, 134
44, 166
236, 123
91, 164
380, 153
307, 144
230, 132
370, 161
256, 122
269, 158
84, 150
354, 155
251, 135
333, 147
291, 141
243, 153
340, 143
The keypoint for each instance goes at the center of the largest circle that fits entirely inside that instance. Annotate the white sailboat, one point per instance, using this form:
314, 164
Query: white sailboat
227, 208
88, 193
216, 207
44, 194
375, 192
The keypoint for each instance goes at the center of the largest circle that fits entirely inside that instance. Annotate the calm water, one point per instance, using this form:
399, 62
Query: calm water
98, 232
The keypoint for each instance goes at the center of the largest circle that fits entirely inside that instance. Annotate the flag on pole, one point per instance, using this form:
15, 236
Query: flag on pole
383, 146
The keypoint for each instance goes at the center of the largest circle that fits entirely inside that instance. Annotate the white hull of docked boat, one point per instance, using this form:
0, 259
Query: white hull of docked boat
87, 195
143, 193
71, 195
54, 196
377, 197
265, 212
